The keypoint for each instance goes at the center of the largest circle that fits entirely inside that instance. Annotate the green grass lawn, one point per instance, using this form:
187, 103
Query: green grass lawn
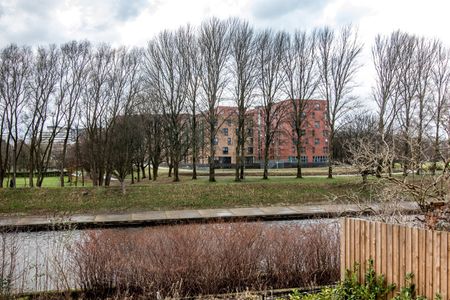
164, 194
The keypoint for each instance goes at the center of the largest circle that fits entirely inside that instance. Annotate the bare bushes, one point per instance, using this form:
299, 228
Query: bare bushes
206, 259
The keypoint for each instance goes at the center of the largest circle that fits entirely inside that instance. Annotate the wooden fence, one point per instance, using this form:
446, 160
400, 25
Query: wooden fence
396, 251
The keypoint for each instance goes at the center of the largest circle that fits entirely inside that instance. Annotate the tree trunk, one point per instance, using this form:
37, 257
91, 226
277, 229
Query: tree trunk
176, 175
212, 177
132, 174
194, 167
63, 158
143, 171
299, 156
149, 169
194, 145
138, 171
266, 163
237, 176
13, 185
122, 186
170, 170
242, 175
330, 155
155, 171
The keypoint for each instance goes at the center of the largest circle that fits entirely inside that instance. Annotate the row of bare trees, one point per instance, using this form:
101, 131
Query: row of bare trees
135, 108
171, 92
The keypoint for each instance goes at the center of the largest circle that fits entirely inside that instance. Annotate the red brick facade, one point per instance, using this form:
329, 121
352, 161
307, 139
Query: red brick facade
283, 150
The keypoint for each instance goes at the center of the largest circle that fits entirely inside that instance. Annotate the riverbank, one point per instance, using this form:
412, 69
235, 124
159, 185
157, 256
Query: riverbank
166, 195
171, 217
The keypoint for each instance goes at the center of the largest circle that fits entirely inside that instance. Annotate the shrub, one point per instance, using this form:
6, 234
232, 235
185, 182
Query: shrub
374, 287
188, 260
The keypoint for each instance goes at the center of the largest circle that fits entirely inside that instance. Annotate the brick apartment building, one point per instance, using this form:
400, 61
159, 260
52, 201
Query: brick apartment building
283, 150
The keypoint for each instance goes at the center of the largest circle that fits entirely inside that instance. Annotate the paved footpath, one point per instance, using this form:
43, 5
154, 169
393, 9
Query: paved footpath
151, 218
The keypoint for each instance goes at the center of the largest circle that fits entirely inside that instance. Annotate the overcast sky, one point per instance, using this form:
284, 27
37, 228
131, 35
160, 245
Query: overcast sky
133, 22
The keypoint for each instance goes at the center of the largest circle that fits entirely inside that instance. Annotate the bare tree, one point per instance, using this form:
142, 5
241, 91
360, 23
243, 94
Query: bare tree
45, 109
167, 73
15, 71
96, 111
214, 43
441, 84
244, 70
300, 68
338, 65
154, 129
189, 48
407, 93
124, 85
4, 141
386, 58
426, 51
123, 145
73, 75
270, 52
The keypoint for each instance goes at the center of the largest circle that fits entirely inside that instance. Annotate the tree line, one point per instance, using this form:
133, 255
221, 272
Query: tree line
133, 108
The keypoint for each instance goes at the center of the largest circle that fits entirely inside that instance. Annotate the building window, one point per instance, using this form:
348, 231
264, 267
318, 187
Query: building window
313, 114
325, 150
325, 133
216, 141
302, 132
320, 159
313, 133
225, 150
317, 106
229, 141
304, 159
316, 141
229, 122
225, 131
250, 150
249, 131
303, 115
302, 150
317, 124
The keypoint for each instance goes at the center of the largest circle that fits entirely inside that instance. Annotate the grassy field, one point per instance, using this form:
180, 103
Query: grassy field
163, 194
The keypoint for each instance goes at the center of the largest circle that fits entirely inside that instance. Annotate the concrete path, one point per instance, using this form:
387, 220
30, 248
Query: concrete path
151, 218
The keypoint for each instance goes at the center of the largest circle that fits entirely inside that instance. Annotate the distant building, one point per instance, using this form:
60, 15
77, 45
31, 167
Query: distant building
282, 153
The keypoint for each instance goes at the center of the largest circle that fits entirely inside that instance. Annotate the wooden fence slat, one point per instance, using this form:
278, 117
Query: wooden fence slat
347, 246
373, 240
384, 252
444, 267
395, 255
422, 284
415, 258
436, 263
389, 260
362, 248
402, 255
396, 251
378, 257
429, 263
408, 250
342, 248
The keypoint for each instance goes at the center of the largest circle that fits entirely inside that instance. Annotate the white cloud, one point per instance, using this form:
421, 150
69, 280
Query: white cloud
133, 22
